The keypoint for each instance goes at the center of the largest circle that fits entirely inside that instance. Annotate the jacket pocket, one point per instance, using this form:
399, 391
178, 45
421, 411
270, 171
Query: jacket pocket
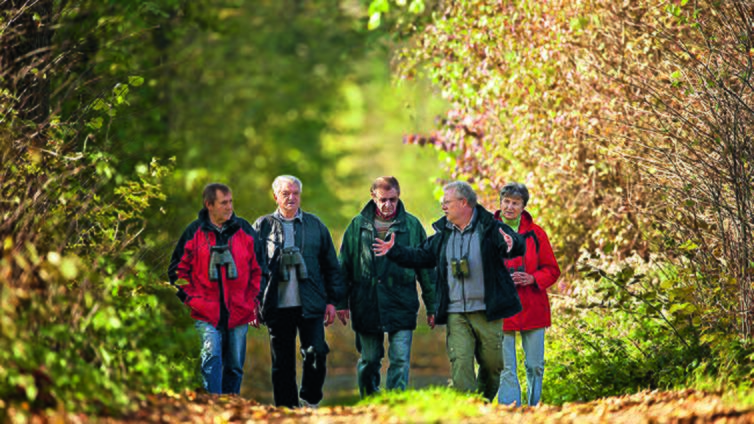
204, 310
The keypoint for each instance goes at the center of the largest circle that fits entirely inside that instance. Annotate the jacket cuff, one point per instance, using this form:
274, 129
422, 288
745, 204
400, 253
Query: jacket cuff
536, 283
182, 295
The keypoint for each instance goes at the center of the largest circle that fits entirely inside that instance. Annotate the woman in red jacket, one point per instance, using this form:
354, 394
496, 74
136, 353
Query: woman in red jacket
532, 274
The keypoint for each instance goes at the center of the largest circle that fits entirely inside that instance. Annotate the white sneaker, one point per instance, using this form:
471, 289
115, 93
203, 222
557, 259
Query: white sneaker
305, 404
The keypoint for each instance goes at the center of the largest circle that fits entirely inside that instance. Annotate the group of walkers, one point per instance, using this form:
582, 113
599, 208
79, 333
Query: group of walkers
482, 275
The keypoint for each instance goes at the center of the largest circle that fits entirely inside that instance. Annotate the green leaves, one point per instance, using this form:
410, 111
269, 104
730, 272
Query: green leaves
109, 106
374, 21
106, 320
688, 245
416, 7
378, 8
76, 298
95, 123
135, 81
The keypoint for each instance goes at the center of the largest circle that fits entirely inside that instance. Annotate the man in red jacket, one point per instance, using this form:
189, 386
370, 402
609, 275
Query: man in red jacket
532, 274
216, 258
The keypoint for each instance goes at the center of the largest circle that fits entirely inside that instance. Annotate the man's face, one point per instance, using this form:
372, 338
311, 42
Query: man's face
386, 200
288, 199
511, 207
222, 209
453, 207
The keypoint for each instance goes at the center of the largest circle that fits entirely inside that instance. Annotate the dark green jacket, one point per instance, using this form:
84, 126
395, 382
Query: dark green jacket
382, 296
500, 296
324, 285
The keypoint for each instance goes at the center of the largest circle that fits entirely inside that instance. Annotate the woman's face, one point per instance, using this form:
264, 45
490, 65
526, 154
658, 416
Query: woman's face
511, 207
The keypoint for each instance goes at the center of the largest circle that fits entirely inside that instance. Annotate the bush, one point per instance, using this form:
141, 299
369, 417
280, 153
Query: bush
625, 331
84, 326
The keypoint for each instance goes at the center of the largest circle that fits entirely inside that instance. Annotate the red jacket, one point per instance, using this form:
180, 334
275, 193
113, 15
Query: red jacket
190, 262
540, 262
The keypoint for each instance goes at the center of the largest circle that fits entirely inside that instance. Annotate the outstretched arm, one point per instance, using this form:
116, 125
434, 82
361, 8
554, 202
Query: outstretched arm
421, 256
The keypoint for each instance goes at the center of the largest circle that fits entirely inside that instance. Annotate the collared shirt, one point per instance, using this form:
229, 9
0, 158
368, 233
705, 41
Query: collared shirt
466, 293
288, 292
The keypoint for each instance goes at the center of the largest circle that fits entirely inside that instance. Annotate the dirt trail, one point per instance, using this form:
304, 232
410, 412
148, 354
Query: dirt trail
687, 406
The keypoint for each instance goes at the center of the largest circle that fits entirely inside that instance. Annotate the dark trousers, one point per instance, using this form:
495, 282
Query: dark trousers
311, 332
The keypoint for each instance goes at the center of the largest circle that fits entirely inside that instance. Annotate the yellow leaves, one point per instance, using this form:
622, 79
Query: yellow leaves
68, 265
7, 244
228, 13
645, 406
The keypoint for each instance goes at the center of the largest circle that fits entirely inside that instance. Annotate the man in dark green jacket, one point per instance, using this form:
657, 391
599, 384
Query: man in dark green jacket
476, 290
382, 296
304, 286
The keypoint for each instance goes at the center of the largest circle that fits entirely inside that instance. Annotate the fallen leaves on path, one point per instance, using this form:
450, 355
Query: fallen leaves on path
686, 406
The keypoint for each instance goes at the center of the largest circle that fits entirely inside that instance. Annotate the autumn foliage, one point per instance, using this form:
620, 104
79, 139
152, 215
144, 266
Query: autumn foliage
630, 122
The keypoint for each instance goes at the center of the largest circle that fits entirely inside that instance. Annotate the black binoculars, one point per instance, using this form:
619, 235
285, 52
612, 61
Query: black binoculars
460, 267
221, 256
292, 258
516, 269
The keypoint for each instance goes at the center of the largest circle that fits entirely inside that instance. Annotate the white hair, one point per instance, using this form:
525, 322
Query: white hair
281, 180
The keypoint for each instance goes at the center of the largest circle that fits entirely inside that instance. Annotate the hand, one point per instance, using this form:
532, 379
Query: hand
381, 248
344, 315
522, 279
329, 315
508, 239
255, 322
431, 321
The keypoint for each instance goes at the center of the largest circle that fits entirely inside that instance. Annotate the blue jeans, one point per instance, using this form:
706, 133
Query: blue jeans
223, 354
533, 342
372, 349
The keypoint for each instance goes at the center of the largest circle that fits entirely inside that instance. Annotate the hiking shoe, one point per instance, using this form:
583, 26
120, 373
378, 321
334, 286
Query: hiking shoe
305, 404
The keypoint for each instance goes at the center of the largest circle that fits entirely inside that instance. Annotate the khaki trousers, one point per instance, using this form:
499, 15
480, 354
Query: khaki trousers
471, 337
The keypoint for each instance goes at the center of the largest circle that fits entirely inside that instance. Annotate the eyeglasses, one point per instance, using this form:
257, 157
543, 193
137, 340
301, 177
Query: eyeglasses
289, 193
444, 203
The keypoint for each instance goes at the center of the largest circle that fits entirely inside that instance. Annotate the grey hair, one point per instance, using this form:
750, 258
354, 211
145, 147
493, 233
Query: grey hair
280, 180
514, 189
463, 190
